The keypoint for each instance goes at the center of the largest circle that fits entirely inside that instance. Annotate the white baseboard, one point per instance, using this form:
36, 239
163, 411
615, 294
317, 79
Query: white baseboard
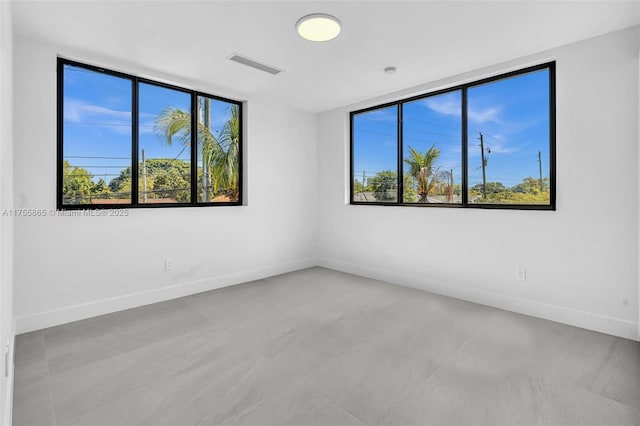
52, 318
8, 400
587, 320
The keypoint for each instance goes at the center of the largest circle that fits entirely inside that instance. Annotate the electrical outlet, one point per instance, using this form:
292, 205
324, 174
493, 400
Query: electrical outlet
168, 264
521, 274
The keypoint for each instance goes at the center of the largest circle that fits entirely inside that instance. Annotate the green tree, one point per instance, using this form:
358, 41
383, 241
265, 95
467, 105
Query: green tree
225, 161
531, 185
492, 188
168, 178
409, 187
422, 169
77, 184
384, 185
100, 190
526, 192
101, 186
444, 185
358, 187
120, 185
220, 156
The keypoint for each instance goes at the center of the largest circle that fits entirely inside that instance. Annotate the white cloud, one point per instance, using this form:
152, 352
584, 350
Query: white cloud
78, 111
445, 105
450, 105
502, 149
494, 144
484, 115
380, 115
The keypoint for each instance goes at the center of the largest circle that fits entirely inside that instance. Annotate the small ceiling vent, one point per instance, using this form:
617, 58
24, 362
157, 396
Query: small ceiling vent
254, 64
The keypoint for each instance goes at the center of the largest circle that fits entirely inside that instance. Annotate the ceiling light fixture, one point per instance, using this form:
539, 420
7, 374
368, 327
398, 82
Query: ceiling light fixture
318, 27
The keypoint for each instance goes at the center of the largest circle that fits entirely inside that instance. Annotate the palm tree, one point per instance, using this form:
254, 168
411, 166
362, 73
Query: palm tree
444, 184
220, 156
421, 167
225, 162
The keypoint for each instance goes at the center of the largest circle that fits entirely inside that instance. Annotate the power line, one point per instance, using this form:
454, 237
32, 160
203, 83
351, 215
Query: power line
186, 160
146, 126
436, 124
405, 128
101, 124
98, 175
85, 166
394, 135
487, 135
104, 158
412, 119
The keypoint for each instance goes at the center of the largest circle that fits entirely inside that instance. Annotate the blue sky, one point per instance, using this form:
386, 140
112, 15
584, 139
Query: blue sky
512, 115
97, 121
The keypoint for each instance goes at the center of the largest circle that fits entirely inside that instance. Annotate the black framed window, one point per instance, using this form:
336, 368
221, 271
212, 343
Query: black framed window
125, 141
485, 144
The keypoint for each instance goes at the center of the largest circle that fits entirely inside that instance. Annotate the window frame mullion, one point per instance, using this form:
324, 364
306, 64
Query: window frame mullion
135, 121
464, 141
134, 103
399, 138
465, 201
194, 148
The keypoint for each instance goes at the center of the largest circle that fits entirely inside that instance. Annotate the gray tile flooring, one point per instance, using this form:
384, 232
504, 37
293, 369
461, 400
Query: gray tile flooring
326, 348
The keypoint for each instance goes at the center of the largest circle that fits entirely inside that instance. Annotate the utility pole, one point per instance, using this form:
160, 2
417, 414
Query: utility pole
484, 165
540, 168
450, 195
206, 120
144, 179
364, 174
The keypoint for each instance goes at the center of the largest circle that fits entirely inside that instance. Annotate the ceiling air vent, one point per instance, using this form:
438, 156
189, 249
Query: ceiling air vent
254, 64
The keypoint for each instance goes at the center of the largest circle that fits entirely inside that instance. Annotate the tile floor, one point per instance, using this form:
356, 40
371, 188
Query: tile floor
324, 348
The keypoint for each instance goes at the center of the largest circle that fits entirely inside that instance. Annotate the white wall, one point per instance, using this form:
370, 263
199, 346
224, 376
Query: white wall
581, 260
67, 268
7, 327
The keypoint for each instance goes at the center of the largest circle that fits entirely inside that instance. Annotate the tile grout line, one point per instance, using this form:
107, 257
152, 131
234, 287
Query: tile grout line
312, 389
334, 402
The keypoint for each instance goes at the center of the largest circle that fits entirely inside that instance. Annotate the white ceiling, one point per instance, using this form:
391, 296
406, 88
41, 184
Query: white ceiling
426, 40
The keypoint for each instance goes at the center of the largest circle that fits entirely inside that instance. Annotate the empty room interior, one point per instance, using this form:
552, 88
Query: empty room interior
319, 212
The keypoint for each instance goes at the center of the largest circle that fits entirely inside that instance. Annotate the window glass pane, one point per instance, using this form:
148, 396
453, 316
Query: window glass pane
375, 155
218, 151
508, 145
432, 155
96, 149
164, 136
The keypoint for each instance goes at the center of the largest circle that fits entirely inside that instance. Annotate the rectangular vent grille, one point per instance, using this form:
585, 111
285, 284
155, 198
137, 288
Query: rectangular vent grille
254, 64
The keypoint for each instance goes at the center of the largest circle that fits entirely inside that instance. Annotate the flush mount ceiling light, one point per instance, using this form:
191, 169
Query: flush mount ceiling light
318, 27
